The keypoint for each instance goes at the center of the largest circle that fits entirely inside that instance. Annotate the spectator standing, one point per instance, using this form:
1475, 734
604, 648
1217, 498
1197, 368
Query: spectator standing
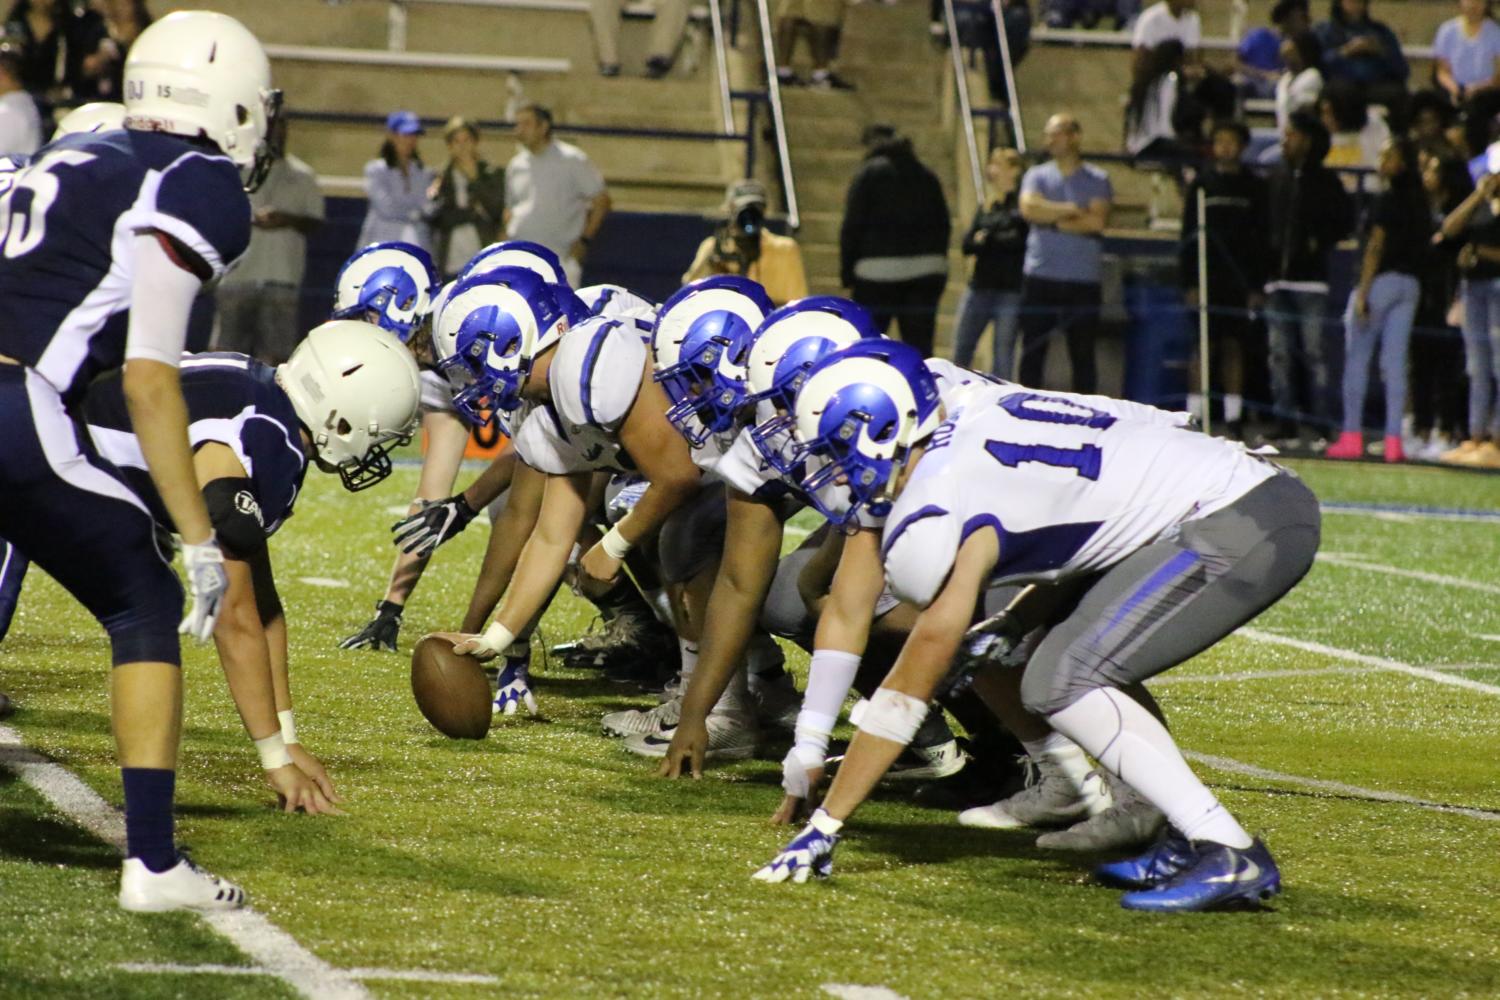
741, 244
822, 21
1477, 223
55, 37
1467, 52
124, 20
396, 183
468, 200
997, 242
1357, 131
1438, 385
893, 243
1308, 212
1235, 205
1067, 203
1259, 62
670, 18
1301, 84
1364, 52
20, 124
1383, 305
554, 195
1150, 132
258, 300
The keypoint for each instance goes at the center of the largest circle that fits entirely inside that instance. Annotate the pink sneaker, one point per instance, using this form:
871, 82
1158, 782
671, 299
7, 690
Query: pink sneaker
1393, 450
1351, 444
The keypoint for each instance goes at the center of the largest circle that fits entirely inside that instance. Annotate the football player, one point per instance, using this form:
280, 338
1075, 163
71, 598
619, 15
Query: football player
1181, 537
109, 238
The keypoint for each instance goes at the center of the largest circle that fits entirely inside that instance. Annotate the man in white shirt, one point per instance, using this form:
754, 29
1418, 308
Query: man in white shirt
20, 125
553, 194
1166, 21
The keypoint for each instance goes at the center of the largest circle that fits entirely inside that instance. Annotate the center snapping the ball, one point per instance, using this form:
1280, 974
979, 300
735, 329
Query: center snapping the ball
451, 690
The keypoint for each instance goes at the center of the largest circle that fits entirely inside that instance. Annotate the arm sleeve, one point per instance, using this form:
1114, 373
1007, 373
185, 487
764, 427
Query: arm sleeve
235, 512
161, 297
267, 600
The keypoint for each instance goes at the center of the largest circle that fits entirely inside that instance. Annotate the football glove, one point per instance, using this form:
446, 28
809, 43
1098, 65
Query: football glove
434, 523
513, 688
380, 634
207, 582
809, 853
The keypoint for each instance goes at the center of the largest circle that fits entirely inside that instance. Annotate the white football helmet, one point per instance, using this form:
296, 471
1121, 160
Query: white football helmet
197, 73
517, 253
96, 116
394, 281
356, 389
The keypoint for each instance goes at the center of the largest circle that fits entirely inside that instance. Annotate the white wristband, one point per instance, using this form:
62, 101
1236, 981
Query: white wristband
497, 637
288, 727
272, 752
824, 823
813, 730
615, 544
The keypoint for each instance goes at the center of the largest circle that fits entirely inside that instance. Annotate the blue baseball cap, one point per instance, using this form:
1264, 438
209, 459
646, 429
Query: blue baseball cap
403, 123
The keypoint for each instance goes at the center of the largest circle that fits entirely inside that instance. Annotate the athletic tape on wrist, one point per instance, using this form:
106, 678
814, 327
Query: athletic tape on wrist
813, 729
824, 823
615, 543
288, 727
893, 716
272, 752
498, 637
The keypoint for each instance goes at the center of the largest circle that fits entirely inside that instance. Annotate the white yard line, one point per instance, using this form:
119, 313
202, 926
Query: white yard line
277, 951
1335, 787
393, 975
1272, 675
1385, 511
1356, 562
1395, 666
852, 991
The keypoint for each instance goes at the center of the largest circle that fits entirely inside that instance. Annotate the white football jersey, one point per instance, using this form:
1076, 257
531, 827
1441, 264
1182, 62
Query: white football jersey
616, 302
594, 378
1068, 487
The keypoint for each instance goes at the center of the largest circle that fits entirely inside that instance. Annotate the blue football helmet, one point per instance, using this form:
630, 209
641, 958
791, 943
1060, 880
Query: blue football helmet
491, 328
517, 253
858, 414
388, 284
782, 351
699, 350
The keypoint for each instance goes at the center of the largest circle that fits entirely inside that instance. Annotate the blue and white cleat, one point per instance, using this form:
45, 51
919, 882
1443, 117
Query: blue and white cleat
1221, 878
1165, 858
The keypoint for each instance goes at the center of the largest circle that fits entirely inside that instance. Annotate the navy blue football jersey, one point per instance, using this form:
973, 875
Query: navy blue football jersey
67, 222
231, 400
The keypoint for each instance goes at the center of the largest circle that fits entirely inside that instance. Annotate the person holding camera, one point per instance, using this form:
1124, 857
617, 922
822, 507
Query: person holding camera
741, 244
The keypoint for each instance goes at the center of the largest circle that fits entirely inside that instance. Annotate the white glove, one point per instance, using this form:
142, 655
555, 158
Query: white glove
800, 759
207, 582
809, 853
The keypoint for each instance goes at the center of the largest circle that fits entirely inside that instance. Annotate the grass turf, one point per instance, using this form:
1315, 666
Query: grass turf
551, 859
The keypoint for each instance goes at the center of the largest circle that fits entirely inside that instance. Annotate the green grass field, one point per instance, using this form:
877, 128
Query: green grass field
551, 860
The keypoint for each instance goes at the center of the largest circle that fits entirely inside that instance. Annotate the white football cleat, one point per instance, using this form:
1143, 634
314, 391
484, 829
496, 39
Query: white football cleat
730, 737
184, 886
635, 722
1129, 822
926, 763
1050, 798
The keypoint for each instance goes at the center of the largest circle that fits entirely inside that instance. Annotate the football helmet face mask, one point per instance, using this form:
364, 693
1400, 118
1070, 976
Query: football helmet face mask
199, 74
388, 284
791, 341
490, 331
859, 413
699, 349
356, 390
517, 253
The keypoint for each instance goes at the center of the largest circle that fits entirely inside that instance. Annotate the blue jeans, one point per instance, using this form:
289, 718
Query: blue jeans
1482, 355
975, 311
1393, 308
1294, 321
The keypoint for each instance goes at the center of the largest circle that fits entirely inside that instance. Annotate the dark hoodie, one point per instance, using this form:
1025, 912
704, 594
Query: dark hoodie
1309, 213
895, 208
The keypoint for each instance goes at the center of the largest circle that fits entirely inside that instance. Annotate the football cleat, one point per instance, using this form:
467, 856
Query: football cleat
635, 722
1169, 855
1220, 877
184, 886
1130, 822
777, 702
730, 737
1050, 798
927, 763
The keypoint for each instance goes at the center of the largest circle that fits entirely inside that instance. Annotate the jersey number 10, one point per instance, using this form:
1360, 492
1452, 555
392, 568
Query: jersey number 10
1084, 460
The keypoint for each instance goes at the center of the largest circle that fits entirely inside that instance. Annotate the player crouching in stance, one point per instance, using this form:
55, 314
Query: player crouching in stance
1185, 538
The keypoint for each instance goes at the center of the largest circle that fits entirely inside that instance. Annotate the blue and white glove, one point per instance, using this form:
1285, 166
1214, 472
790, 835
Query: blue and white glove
809, 853
513, 687
207, 583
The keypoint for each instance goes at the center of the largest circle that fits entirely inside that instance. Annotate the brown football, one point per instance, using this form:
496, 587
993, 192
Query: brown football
451, 690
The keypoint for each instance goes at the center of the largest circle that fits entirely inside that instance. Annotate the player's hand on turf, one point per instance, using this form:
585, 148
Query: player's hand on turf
801, 774
514, 690
295, 790
381, 631
314, 769
207, 583
689, 743
598, 570
432, 524
809, 853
